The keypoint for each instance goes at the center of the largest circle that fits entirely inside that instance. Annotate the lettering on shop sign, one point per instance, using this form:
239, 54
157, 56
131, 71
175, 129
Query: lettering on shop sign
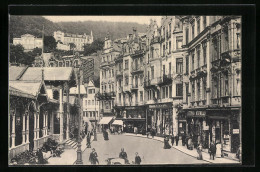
159, 106
235, 131
206, 128
200, 113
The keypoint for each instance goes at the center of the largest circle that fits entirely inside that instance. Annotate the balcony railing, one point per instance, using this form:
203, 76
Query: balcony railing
134, 87
119, 73
155, 40
105, 110
137, 53
136, 69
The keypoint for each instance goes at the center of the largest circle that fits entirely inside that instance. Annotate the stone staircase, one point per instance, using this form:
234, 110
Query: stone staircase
71, 144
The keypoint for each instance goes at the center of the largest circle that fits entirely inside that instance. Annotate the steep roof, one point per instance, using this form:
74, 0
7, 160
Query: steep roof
32, 88
50, 73
15, 72
16, 92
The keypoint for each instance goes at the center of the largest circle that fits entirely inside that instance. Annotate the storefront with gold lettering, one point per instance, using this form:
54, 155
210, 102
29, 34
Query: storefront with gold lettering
160, 118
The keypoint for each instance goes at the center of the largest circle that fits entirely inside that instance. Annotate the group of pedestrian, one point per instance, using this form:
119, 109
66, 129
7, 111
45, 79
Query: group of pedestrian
174, 138
93, 157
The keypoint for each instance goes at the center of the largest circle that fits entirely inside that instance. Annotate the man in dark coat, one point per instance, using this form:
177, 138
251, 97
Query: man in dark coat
166, 143
183, 139
137, 159
212, 150
88, 140
177, 139
172, 139
123, 155
93, 157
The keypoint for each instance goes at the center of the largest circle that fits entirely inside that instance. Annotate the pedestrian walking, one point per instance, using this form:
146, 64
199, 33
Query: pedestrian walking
123, 155
199, 150
218, 150
172, 139
93, 157
177, 139
137, 159
212, 150
88, 140
166, 143
183, 139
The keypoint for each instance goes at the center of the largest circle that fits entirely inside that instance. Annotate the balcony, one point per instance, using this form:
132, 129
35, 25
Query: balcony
118, 58
105, 110
119, 73
134, 87
166, 79
104, 63
137, 69
105, 95
137, 53
155, 40
156, 81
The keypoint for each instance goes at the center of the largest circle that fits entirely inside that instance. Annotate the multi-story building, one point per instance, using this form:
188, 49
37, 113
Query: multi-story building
77, 39
212, 80
163, 76
90, 103
129, 83
29, 42
106, 96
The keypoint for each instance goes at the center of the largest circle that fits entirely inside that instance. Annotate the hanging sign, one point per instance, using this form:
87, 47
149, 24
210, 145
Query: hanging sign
235, 131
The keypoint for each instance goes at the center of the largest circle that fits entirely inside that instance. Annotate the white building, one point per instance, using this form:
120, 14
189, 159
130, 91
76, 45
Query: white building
78, 40
61, 46
90, 104
29, 42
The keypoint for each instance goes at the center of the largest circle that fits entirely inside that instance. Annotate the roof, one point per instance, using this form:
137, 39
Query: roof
32, 88
50, 73
15, 72
74, 90
16, 92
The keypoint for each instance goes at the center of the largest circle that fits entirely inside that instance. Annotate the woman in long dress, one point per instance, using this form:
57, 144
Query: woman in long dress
218, 150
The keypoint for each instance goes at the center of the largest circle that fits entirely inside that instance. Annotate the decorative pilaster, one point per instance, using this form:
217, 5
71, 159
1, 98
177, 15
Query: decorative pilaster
68, 111
38, 124
13, 128
35, 125
61, 114
44, 124
23, 132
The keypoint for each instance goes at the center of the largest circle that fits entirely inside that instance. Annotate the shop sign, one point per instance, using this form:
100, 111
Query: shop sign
130, 108
196, 114
201, 113
158, 106
235, 131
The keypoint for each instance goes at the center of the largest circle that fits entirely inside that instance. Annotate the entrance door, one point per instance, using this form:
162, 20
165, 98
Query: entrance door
31, 130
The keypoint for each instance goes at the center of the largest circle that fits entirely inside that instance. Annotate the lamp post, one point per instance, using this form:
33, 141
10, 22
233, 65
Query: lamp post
79, 152
95, 129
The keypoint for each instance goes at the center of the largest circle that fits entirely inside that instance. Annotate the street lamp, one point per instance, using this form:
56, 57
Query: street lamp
79, 152
95, 129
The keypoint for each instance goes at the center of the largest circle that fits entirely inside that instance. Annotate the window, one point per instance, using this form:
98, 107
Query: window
163, 92
86, 103
166, 92
226, 85
204, 96
163, 69
187, 91
187, 64
170, 91
126, 64
215, 87
192, 31
198, 57
198, 90
67, 64
215, 49
89, 102
204, 46
152, 72
225, 40
93, 103
170, 45
193, 92
204, 22
163, 50
198, 26
192, 60
141, 96
179, 65
170, 68
179, 43
179, 89
112, 73
170, 29
126, 80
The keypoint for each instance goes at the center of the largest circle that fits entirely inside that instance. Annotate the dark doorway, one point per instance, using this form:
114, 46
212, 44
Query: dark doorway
31, 129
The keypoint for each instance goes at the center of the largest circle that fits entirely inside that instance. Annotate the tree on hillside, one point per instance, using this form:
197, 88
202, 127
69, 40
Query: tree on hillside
16, 53
27, 59
50, 44
36, 51
97, 45
72, 46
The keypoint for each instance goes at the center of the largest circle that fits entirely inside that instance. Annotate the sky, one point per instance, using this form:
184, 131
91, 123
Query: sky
138, 19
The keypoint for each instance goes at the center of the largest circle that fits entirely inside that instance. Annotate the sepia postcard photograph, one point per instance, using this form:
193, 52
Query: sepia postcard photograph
125, 90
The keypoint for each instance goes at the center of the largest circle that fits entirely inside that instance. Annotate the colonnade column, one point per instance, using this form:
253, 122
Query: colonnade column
35, 125
61, 114
52, 123
44, 124
23, 132
38, 124
27, 127
68, 111
47, 123
13, 128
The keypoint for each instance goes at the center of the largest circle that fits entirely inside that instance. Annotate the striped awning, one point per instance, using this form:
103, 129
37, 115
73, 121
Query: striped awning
105, 120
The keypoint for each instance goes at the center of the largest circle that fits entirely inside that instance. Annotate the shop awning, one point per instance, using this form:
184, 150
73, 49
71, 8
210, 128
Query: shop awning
117, 122
105, 120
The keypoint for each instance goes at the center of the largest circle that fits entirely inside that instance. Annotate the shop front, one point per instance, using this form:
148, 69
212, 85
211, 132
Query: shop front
182, 124
159, 117
198, 127
224, 129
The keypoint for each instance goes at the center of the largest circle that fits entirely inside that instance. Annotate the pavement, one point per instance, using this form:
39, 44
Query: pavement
192, 153
150, 150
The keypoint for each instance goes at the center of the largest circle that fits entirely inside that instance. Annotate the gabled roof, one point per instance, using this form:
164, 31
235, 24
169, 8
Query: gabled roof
15, 72
16, 92
50, 73
33, 88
